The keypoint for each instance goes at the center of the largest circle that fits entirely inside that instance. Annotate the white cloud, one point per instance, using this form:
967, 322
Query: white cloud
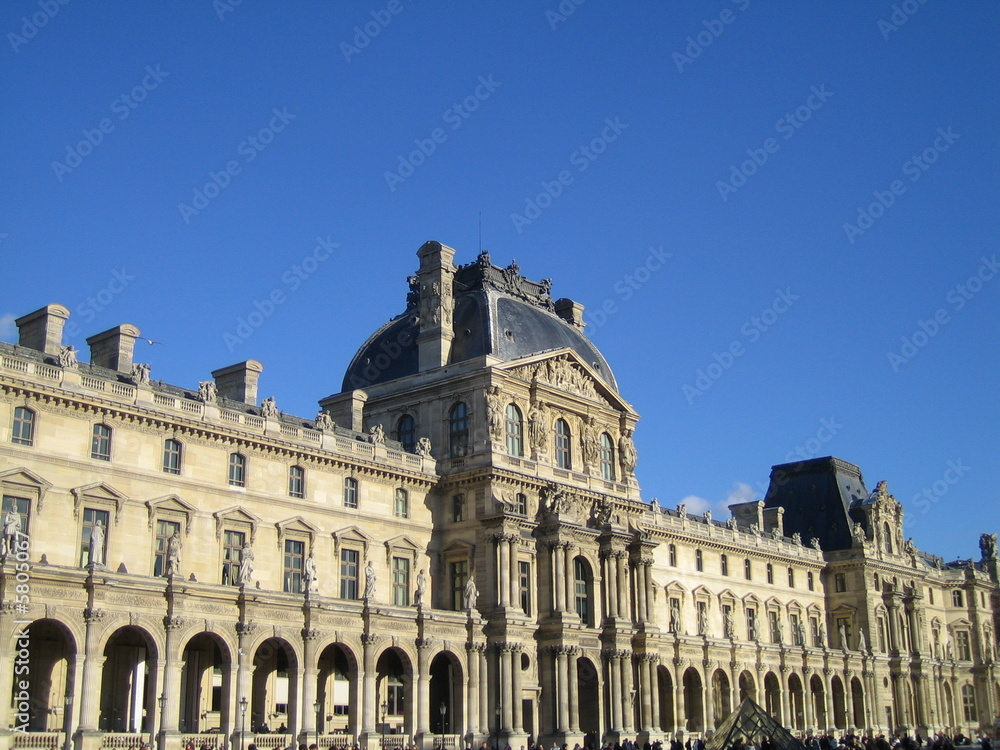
696, 506
7, 327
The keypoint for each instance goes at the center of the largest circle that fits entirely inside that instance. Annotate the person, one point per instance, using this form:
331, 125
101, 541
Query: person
282, 728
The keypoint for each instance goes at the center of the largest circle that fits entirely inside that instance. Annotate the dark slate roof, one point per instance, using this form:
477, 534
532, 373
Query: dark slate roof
497, 312
817, 496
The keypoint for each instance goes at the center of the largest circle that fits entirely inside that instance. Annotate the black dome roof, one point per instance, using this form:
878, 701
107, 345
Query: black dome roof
497, 312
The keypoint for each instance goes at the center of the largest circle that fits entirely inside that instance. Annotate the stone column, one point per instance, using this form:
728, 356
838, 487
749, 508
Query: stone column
472, 691
808, 710
848, 699
615, 678
368, 697
570, 580
503, 569
516, 704
628, 713
611, 584
91, 697
562, 689
709, 703
515, 576
640, 591
559, 577
170, 718
647, 577
504, 651
308, 690
645, 694
828, 694
484, 693
573, 685
622, 575
680, 709
422, 719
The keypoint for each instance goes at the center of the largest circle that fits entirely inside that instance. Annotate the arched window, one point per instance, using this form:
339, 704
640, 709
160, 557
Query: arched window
564, 455
237, 470
24, 426
515, 431
458, 430
406, 432
607, 458
172, 456
582, 588
887, 538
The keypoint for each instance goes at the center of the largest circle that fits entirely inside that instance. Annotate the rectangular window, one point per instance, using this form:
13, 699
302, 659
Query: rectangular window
580, 582
699, 563
458, 508
724, 562
296, 481
237, 470
751, 624
350, 492
969, 703
775, 626
816, 635
19, 505
172, 456
458, 574
295, 553
770, 573
100, 445
394, 699
91, 519
673, 555
521, 501
24, 426
844, 629
794, 622
810, 581
963, 646
164, 530
232, 556
930, 593
956, 598
883, 642
524, 585
791, 578
402, 504
839, 583
401, 582
747, 572
348, 574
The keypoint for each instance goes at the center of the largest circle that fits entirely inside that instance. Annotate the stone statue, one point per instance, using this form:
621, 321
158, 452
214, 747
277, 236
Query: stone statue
309, 574
174, 554
814, 542
727, 623
591, 452
269, 408
11, 528
494, 412
702, 620
369, 582
797, 538
418, 598
949, 652
246, 565
537, 428
731, 523
376, 434
842, 629
779, 632
97, 533
988, 546
67, 356
682, 510
675, 616
822, 634
755, 529
324, 422
471, 594
207, 391
626, 452
858, 532
862, 642
802, 634
140, 373
424, 447
654, 505
708, 517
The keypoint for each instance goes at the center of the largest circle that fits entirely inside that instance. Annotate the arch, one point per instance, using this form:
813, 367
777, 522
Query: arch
796, 704
128, 692
721, 697
772, 695
446, 692
666, 699
273, 686
583, 590
394, 690
607, 456
563, 445
949, 706
818, 691
839, 702
205, 688
337, 690
858, 703
406, 432
588, 682
748, 686
51, 665
693, 701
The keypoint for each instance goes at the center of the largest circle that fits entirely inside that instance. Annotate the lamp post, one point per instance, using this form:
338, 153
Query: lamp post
161, 701
443, 710
243, 719
385, 710
316, 707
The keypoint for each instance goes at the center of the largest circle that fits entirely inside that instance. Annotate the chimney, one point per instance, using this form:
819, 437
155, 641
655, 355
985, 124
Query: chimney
437, 304
42, 330
571, 312
239, 382
113, 348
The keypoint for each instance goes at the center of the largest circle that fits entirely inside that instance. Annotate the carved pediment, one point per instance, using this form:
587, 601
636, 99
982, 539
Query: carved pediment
99, 492
351, 534
171, 504
565, 372
25, 480
236, 515
296, 525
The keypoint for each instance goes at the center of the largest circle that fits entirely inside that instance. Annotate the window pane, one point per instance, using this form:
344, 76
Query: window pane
296, 481
400, 581
237, 470
458, 430
515, 431
402, 504
607, 458
349, 574
293, 560
24, 426
406, 433
93, 518
232, 556
350, 492
172, 456
164, 531
564, 458
100, 447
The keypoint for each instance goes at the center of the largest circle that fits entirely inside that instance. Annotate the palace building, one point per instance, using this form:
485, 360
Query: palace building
453, 550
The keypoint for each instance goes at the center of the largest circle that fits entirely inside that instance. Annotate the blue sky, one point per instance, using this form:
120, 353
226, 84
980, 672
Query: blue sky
781, 217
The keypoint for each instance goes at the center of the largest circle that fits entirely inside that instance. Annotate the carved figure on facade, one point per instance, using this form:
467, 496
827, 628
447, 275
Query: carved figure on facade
858, 532
842, 629
174, 554
11, 528
862, 641
755, 529
675, 616
505, 501
67, 357
603, 512
97, 534
626, 452
797, 538
309, 579
988, 546
801, 632
470, 594
682, 511
424, 447
140, 373
370, 582
207, 391
708, 519
731, 523
246, 565
814, 543
269, 408
537, 425
727, 623
563, 374
591, 451
494, 412
324, 422
418, 597
822, 635
702, 620
376, 434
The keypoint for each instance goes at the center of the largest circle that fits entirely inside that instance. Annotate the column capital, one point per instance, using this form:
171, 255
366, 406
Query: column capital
310, 634
369, 639
423, 643
94, 615
475, 648
247, 627
172, 622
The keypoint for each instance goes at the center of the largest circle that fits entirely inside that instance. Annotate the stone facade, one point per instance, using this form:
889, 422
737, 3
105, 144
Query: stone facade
457, 551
